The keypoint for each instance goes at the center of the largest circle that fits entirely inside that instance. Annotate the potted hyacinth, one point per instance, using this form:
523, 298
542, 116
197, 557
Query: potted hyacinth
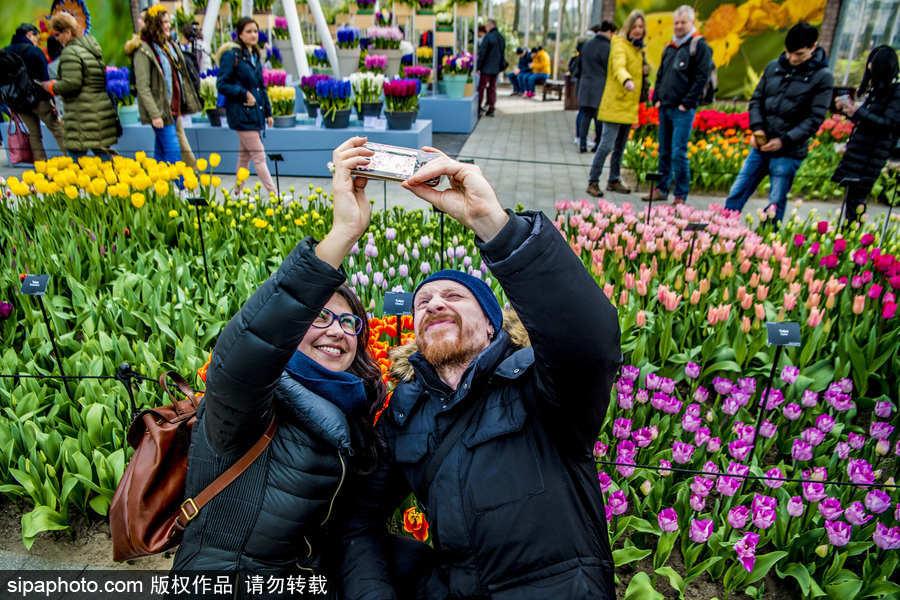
383, 18
456, 71
387, 41
423, 74
426, 7
318, 61
347, 50
210, 95
401, 100
119, 88
365, 7
334, 102
282, 100
308, 87
367, 88
376, 63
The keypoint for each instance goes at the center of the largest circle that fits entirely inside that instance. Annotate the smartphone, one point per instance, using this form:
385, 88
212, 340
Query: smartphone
395, 163
760, 136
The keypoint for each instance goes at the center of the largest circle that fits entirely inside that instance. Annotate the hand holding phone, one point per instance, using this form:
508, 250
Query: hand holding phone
394, 163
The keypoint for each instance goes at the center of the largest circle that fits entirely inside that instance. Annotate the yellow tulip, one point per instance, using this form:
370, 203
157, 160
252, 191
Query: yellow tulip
191, 182
173, 213
98, 186
216, 181
201, 164
260, 223
137, 200
204, 179
40, 166
214, 159
243, 174
269, 212
71, 191
161, 188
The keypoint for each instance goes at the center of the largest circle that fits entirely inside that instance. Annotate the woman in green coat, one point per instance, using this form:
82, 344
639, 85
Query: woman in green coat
619, 107
90, 121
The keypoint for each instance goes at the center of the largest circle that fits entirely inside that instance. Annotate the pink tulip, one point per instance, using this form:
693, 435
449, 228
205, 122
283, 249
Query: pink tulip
600, 449
830, 508
701, 530
702, 486
774, 483
801, 450
605, 481
701, 436
668, 519
878, 501
886, 539
843, 450
812, 436
738, 516
697, 502
824, 423
767, 429
856, 514
746, 550
889, 311
625, 400
713, 445
813, 491
880, 430
795, 506
622, 429
664, 471
792, 411
883, 409
860, 472
739, 449
815, 317
682, 452
641, 318
856, 440
838, 532
728, 486
809, 399
617, 502
764, 517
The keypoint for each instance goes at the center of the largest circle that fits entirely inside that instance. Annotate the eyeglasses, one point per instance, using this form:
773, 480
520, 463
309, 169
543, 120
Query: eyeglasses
350, 324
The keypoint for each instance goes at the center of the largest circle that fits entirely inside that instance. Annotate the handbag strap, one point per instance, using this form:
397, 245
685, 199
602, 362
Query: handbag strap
190, 508
463, 418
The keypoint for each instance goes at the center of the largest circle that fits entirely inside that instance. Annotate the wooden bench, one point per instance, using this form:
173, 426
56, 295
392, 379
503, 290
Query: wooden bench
553, 86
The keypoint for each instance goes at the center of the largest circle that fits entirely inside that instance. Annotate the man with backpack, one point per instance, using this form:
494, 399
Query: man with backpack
30, 102
682, 83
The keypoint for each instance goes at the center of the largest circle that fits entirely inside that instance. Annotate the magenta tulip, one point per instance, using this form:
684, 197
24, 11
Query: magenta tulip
878, 501
713, 445
764, 517
856, 514
668, 519
605, 481
697, 502
767, 429
701, 530
789, 374
860, 471
737, 516
825, 423
692, 370
838, 532
830, 508
883, 409
813, 491
745, 549
792, 411
880, 431
812, 436
774, 483
795, 506
739, 449
617, 502
801, 450
682, 452
886, 539
622, 429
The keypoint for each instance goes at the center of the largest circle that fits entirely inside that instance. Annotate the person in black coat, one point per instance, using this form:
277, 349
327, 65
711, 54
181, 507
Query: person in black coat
529, 408
247, 104
876, 128
787, 107
491, 62
522, 69
25, 44
593, 60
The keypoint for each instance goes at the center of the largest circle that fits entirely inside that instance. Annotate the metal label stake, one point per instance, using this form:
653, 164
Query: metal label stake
36, 285
197, 203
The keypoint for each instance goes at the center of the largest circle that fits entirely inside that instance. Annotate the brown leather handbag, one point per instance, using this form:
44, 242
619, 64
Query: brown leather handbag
149, 512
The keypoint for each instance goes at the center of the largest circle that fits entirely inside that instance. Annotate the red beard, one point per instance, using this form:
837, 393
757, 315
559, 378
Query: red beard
446, 351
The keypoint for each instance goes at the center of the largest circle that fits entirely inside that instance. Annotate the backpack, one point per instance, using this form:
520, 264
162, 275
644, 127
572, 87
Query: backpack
17, 90
149, 512
708, 95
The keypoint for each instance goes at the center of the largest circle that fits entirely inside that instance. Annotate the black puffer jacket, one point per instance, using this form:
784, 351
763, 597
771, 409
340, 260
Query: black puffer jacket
682, 75
491, 52
265, 520
594, 59
877, 125
34, 59
515, 509
791, 102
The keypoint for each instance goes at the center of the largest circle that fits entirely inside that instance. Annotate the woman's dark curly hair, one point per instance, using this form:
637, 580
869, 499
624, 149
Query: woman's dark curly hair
153, 28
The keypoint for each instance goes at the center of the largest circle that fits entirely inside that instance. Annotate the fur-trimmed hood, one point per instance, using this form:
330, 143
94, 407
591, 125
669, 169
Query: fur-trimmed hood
402, 370
132, 45
223, 49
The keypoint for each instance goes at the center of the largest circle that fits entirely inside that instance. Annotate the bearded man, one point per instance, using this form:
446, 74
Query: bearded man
493, 423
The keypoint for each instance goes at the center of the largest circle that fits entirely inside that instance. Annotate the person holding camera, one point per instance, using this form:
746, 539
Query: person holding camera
876, 128
494, 419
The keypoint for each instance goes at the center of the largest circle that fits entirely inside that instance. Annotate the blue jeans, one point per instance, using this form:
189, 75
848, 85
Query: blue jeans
76, 154
532, 80
167, 147
674, 133
517, 81
781, 171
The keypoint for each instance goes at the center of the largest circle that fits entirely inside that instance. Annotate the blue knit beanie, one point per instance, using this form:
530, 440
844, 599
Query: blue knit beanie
483, 293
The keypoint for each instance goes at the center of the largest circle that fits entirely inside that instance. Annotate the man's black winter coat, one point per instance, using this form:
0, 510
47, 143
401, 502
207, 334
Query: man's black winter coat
491, 51
594, 59
515, 510
682, 77
34, 59
791, 102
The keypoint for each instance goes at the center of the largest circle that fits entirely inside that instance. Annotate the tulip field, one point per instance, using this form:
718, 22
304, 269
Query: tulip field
696, 492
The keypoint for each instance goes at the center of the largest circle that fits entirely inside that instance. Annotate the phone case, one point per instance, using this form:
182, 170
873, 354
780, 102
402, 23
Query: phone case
395, 163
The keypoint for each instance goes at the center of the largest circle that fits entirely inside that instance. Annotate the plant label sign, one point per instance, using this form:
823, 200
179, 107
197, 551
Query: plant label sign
398, 303
197, 201
276, 157
35, 285
783, 334
375, 123
318, 119
695, 226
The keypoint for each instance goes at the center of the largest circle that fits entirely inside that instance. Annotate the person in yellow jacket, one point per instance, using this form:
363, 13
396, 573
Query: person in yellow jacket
619, 106
540, 70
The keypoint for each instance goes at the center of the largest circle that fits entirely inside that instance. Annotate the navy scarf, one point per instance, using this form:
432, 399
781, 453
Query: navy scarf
344, 390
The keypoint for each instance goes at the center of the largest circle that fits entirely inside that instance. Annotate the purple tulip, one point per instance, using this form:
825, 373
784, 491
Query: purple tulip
773, 398
690, 423
617, 502
390, 234
630, 372
840, 402
668, 519
882, 409
626, 448
737, 516
693, 409
605, 481
846, 385
856, 440
460, 251
767, 429
737, 469
378, 278
843, 450
664, 471
810, 399
692, 370
642, 396
830, 508
701, 436
713, 445
701, 530
747, 385
764, 517
774, 483
626, 469
746, 550
5, 310
625, 400
600, 449
730, 406
697, 502
653, 381
789, 374
702, 486
801, 450
795, 506
813, 491
710, 467
682, 452
625, 385
672, 405
739, 449
812, 436
856, 514
642, 437
403, 270
878, 501
728, 486
415, 253
838, 532
425, 268
792, 411
886, 539
880, 430
701, 394
816, 474
622, 429
860, 471
371, 250
722, 386
761, 501
825, 423
667, 385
